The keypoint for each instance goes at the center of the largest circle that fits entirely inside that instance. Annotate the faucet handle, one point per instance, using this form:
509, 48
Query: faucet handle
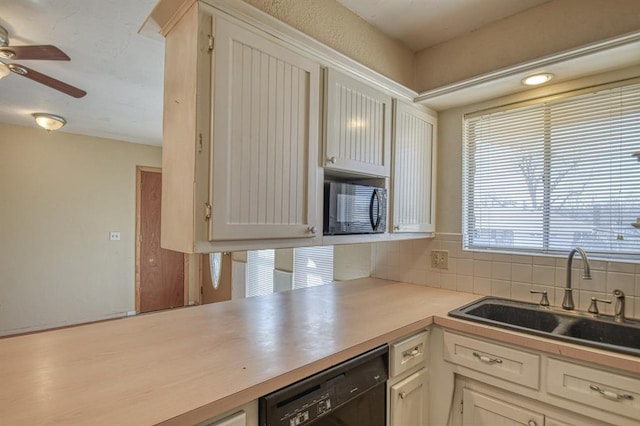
618, 310
593, 308
544, 301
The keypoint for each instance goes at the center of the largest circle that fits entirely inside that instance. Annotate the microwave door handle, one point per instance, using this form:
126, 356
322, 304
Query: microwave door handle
375, 196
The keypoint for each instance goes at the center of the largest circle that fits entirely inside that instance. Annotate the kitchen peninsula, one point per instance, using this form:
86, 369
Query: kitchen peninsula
187, 365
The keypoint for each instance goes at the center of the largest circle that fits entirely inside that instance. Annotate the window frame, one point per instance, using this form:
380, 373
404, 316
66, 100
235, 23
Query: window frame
468, 180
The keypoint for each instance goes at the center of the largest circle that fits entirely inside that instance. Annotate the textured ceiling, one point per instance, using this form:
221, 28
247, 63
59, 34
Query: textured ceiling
423, 23
120, 69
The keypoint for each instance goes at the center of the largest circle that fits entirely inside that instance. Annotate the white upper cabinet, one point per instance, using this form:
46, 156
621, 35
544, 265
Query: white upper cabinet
413, 177
241, 134
265, 144
358, 127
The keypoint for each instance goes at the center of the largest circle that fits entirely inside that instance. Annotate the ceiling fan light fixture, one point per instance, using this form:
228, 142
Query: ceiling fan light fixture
536, 79
7, 54
49, 121
4, 70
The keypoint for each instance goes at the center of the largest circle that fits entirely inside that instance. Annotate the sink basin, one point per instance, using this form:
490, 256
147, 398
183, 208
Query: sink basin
604, 332
601, 332
517, 316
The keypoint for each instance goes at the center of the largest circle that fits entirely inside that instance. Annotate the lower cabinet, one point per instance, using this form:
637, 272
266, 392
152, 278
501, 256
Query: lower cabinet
407, 388
246, 415
494, 383
407, 400
484, 410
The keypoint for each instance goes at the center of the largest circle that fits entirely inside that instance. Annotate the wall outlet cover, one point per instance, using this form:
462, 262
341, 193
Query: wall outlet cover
440, 259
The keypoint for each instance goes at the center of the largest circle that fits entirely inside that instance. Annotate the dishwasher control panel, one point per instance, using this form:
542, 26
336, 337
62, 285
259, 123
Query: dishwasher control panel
306, 409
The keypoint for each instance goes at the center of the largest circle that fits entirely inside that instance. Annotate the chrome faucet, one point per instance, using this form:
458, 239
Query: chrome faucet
618, 310
567, 301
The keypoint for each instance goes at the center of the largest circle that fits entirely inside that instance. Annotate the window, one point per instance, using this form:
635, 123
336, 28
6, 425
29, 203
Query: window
312, 266
549, 176
259, 275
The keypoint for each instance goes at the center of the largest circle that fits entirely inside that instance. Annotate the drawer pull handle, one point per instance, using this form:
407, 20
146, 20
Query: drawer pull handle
486, 359
411, 353
610, 394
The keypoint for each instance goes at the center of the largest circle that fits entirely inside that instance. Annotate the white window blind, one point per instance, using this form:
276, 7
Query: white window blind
554, 175
259, 272
312, 266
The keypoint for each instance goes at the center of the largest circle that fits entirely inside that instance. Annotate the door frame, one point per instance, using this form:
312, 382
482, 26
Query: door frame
185, 257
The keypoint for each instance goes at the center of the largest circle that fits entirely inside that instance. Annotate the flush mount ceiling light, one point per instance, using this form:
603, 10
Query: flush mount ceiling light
535, 79
49, 121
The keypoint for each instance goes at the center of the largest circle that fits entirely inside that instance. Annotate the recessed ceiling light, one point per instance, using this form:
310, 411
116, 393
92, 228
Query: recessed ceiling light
49, 121
535, 79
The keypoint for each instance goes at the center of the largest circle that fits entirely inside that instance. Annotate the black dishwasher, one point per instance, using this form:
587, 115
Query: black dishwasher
349, 394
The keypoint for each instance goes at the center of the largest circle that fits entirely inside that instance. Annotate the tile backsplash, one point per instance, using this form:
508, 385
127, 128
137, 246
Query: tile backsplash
505, 275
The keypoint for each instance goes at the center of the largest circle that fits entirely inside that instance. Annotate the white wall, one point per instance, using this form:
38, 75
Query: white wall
60, 196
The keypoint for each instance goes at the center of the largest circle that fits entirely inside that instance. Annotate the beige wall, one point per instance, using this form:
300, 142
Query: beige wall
334, 25
61, 195
540, 31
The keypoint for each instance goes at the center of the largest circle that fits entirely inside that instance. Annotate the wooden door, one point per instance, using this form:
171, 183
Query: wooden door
265, 174
413, 170
358, 136
408, 401
160, 284
485, 410
223, 292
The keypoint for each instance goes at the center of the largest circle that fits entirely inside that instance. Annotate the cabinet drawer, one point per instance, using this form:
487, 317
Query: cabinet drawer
490, 358
597, 388
407, 353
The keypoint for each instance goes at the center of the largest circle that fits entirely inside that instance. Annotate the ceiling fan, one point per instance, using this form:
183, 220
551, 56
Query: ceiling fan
44, 52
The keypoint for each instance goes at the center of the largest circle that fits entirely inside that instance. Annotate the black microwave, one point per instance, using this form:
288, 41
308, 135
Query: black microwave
354, 209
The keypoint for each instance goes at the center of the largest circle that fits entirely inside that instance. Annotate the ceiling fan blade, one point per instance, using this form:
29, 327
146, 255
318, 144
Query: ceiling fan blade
46, 80
44, 52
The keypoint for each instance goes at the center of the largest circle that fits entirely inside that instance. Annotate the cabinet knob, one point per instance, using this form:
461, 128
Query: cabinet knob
532, 423
403, 395
332, 160
312, 229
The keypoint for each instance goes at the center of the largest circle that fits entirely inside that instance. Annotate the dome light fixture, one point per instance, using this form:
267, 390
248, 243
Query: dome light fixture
49, 121
536, 79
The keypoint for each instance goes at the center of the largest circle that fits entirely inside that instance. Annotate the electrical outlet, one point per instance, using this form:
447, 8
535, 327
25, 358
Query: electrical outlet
440, 259
114, 236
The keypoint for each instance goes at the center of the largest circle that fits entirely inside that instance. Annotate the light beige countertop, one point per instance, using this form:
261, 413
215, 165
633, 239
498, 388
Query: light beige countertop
186, 365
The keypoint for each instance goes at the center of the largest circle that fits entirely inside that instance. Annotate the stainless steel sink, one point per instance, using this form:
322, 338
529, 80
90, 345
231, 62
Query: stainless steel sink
600, 332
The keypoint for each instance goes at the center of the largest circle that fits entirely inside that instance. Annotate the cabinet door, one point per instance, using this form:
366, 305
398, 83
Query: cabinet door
238, 419
413, 177
409, 401
485, 410
265, 145
358, 127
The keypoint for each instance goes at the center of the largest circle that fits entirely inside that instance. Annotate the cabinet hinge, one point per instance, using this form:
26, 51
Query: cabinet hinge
461, 406
210, 43
199, 143
207, 211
